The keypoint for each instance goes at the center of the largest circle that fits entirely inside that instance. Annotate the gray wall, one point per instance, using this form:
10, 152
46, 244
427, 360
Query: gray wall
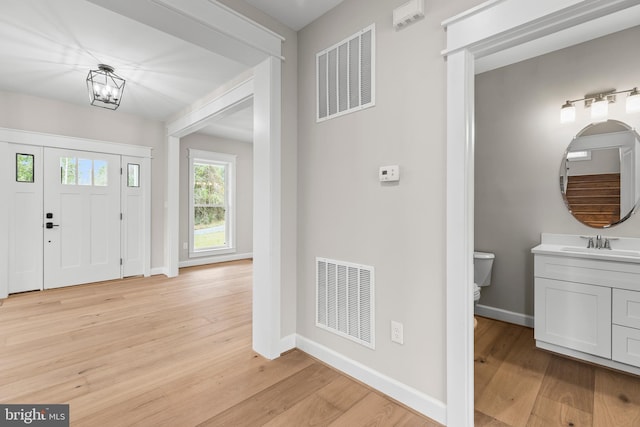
344, 213
519, 145
30, 113
244, 187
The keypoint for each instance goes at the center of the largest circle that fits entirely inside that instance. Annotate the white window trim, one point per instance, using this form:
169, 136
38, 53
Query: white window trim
230, 200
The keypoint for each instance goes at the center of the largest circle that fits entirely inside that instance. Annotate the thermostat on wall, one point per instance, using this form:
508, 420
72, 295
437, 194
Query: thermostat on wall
389, 173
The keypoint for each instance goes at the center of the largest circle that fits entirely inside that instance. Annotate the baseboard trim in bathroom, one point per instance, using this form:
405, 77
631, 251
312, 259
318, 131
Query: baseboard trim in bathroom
504, 315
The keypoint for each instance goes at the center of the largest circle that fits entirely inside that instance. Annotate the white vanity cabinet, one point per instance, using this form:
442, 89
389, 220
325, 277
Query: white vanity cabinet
587, 303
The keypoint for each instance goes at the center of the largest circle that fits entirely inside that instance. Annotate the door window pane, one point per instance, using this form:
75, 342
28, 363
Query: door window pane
24, 167
84, 171
68, 170
133, 175
100, 170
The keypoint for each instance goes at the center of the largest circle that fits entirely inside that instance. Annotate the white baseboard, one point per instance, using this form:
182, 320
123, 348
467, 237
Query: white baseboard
287, 343
418, 401
158, 271
214, 259
504, 315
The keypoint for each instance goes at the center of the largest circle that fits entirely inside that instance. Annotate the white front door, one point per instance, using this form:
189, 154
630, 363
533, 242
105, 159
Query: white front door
81, 217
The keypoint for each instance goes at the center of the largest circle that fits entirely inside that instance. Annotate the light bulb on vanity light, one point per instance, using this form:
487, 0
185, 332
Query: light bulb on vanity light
600, 109
567, 113
633, 101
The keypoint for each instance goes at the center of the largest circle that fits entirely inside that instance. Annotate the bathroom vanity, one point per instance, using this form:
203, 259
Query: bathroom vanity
587, 299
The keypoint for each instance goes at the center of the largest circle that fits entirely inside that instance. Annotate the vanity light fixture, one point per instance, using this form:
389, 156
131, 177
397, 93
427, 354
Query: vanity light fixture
633, 101
105, 87
599, 105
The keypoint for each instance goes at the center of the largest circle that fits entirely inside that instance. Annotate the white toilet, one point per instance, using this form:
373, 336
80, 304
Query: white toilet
482, 266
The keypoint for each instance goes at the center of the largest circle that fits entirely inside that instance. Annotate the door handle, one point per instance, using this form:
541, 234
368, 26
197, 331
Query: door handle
51, 225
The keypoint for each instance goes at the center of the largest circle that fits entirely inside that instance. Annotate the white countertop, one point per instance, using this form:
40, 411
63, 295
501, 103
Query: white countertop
623, 249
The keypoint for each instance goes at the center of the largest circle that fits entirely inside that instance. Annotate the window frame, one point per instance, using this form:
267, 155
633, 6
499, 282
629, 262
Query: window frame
229, 162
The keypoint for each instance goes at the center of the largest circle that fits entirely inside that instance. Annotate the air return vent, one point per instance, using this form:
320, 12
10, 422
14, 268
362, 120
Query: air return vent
344, 296
346, 75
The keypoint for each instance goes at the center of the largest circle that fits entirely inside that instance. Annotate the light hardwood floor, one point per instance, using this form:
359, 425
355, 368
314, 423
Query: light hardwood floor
171, 352
519, 385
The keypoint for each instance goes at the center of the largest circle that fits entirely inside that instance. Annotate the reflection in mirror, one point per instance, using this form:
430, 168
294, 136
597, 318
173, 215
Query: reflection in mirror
599, 177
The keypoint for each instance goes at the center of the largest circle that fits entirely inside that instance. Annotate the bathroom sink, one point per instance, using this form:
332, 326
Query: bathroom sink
601, 252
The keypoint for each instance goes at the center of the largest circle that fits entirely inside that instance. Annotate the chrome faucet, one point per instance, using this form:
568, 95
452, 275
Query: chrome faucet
598, 242
590, 243
607, 244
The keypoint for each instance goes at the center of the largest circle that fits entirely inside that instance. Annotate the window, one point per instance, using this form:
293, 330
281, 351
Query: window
133, 175
24, 167
83, 172
211, 201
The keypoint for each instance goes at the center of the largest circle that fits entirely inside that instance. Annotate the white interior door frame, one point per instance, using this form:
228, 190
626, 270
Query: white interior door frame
16, 136
265, 88
499, 32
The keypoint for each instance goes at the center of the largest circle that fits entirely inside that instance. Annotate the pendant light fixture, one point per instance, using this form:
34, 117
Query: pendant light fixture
105, 87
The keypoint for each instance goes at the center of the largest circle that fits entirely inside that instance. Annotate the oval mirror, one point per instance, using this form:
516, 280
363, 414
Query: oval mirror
599, 177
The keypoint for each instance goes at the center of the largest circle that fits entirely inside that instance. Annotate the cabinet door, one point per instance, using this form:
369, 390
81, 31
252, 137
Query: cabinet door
573, 315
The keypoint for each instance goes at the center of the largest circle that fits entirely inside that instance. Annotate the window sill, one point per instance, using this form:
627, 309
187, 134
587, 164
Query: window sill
212, 252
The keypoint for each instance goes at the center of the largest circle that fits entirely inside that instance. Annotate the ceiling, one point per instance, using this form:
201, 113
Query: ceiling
48, 47
295, 14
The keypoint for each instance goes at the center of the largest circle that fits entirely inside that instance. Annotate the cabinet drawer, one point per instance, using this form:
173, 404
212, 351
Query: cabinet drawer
625, 345
620, 275
626, 308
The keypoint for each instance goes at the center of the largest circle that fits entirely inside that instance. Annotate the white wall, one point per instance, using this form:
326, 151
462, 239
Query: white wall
19, 111
344, 213
519, 146
244, 187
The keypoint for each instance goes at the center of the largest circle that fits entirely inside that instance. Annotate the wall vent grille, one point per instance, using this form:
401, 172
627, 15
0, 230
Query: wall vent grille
346, 75
345, 300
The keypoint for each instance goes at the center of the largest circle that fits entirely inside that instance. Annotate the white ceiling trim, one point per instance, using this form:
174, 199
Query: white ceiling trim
204, 23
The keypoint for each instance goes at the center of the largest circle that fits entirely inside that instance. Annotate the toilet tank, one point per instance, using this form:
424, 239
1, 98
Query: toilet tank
482, 266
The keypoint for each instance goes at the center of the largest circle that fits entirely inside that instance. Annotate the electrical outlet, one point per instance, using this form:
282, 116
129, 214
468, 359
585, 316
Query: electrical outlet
397, 333
185, 245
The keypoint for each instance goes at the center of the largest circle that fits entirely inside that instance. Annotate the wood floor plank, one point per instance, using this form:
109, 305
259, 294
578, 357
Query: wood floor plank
569, 383
512, 392
492, 344
266, 405
324, 406
617, 399
483, 420
375, 410
552, 413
